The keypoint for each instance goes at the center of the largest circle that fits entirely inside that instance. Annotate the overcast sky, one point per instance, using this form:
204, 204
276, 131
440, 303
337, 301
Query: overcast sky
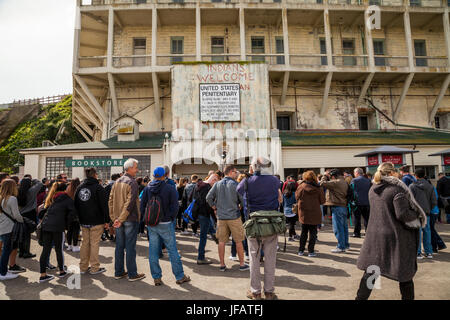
36, 48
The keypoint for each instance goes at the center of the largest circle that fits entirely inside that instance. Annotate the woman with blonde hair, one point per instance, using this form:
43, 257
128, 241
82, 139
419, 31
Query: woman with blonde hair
309, 197
9, 214
58, 213
392, 237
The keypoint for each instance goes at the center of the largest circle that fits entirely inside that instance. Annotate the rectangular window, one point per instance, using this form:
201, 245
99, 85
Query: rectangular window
415, 3
378, 50
280, 49
141, 1
363, 122
57, 165
217, 46
437, 123
258, 47
323, 50
104, 173
176, 47
420, 50
375, 2
144, 165
319, 1
283, 122
139, 48
348, 48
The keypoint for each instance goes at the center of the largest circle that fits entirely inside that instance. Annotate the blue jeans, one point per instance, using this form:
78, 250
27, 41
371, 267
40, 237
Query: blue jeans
205, 224
340, 226
211, 230
6, 251
426, 239
126, 237
166, 233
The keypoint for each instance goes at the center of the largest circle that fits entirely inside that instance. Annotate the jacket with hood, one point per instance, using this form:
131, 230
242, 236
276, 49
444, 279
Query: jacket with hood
60, 214
390, 242
201, 207
32, 193
226, 199
310, 196
424, 194
168, 195
187, 193
336, 191
443, 189
91, 203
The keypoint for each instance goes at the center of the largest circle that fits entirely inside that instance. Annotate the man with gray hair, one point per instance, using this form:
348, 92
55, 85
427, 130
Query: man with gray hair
124, 212
360, 186
261, 192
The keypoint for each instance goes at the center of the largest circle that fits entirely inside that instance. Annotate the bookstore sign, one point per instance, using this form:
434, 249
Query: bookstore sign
96, 163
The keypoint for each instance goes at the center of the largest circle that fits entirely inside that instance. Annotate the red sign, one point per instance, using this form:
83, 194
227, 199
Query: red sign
373, 160
447, 160
394, 158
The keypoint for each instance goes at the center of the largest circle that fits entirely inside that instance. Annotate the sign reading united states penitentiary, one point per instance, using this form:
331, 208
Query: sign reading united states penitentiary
220, 102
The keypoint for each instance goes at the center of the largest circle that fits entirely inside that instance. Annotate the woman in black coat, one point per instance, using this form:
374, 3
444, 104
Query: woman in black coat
59, 212
392, 237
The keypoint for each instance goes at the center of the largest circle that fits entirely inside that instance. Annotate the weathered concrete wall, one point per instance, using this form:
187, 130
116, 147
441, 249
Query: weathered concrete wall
10, 119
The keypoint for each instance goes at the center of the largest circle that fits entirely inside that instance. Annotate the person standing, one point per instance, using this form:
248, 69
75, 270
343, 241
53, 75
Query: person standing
263, 195
288, 203
392, 237
187, 199
336, 197
164, 230
73, 233
124, 211
225, 200
92, 207
180, 188
423, 192
310, 197
443, 189
27, 199
361, 186
8, 213
436, 241
59, 213
407, 178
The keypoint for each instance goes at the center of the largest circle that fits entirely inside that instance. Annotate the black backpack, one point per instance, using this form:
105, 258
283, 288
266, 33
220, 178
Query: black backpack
154, 212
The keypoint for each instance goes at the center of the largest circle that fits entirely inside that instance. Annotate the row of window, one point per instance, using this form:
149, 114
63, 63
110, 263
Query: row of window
57, 165
258, 47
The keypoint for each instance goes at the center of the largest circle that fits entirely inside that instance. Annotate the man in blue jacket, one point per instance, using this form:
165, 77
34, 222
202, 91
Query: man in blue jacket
361, 186
164, 229
407, 178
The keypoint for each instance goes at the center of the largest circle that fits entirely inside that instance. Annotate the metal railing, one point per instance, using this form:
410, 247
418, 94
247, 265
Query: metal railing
431, 62
169, 59
311, 60
43, 100
132, 61
221, 57
386, 3
391, 61
275, 58
426, 3
92, 62
347, 2
347, 60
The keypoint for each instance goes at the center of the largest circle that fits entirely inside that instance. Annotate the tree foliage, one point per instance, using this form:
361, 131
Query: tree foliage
31, 133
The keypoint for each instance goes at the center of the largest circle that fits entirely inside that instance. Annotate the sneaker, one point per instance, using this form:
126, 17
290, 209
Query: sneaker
223, 268
420, 256
123, 275
245, 267
291, 239
196, 235
185, 233
16, 269
137, 277
158, 282
204, 261
68, 248
270, 296
300, 253
62, 274
76, 249
233, 258
442, 247
100, 270
312, 254
356, 236
46, 278
51, 267
253, 296
337, 250
429, 256
184, 279
8, 276
84, 272
65, 246
28, 255
297, 237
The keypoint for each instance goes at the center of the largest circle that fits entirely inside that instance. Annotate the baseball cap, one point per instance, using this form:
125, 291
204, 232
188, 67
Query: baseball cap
159, 172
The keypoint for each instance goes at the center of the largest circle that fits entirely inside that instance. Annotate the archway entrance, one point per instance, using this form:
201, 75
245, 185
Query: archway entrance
186, 170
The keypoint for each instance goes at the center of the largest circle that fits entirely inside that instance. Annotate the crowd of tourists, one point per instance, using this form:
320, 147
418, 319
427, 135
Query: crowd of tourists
398, 210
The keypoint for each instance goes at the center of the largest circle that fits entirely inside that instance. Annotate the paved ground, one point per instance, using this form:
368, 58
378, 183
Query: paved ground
327, 276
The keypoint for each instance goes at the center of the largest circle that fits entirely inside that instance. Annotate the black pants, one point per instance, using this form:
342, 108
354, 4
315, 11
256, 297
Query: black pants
292, 221
73, 234
364, 212
436, 240
195, 226
312, 229
48, 239
406, 289
24, 247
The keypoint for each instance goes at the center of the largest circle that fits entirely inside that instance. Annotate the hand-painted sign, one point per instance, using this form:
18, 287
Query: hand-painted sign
96, 163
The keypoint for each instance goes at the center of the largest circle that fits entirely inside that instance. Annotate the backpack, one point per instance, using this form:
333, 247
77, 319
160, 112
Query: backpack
264, 224
188, 214
153, 212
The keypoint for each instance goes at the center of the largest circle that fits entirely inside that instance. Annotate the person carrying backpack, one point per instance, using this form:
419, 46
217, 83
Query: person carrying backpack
159, 204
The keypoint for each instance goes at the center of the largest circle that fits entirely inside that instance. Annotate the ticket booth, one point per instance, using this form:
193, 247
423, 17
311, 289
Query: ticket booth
377, 156
445, 160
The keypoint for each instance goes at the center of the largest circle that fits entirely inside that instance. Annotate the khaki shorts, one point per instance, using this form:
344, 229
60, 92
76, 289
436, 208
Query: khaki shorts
225, 227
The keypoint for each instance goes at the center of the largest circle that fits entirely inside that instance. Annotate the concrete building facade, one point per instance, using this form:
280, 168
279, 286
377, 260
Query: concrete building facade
305, 67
